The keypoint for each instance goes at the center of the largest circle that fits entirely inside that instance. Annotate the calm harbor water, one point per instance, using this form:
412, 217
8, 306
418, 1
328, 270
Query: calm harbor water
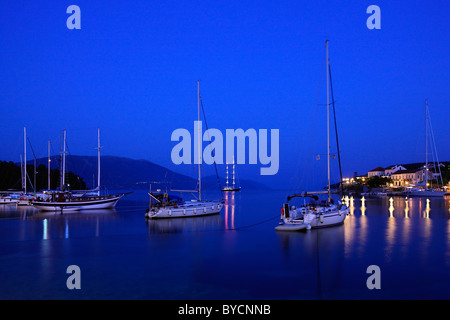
234, 255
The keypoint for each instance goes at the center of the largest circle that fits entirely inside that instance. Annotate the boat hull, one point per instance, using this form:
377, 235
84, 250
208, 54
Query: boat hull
292, 226
24, 202
8, 201
314, 220
186, 210
231, 189
107, 203
374, 194
426, 193
329, 219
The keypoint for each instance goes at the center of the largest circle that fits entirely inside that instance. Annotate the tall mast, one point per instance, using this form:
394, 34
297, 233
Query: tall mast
227, 174
63, 186
328, 124
336, 131
234, 172
25, 158
199, 143
21, 171
426, 144
34, 173
434, 149
98, 160
61, 165
48, 166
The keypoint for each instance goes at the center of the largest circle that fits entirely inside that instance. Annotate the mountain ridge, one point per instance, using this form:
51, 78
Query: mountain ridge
122, 173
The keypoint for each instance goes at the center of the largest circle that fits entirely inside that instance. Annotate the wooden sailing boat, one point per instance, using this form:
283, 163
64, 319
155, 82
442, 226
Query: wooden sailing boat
316, 214
166, 206
67, 201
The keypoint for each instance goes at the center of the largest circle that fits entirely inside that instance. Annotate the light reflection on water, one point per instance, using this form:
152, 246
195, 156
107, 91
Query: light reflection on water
408, 226
180, 225
222, 253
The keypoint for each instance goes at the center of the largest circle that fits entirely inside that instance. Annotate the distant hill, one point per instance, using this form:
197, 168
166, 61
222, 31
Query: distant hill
125, 173
121, 173
210, 182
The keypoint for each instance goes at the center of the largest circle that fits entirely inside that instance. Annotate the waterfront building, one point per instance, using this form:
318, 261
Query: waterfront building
391, 169
376, 172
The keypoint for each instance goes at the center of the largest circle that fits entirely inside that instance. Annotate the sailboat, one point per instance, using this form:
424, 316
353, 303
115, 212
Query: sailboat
68, 201
166, 206
424, 190
315, 213
25, 198
233, 187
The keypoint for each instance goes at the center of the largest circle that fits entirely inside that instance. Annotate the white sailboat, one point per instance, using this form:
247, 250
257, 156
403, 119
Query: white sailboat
233, 187
25, 199
67, 201
315, 214
169, 207
424, 189
7, 198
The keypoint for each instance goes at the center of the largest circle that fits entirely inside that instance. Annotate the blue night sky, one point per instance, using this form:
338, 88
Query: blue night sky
132, 70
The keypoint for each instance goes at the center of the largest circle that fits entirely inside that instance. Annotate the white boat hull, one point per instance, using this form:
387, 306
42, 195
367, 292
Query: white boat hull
107, 203
292, 226
374, 194
20, 200
25, 202
424, 193
313, 219
328, 219
8, 201
185, 210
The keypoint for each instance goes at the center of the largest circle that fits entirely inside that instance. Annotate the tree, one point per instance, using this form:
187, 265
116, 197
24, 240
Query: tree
377, 181
11, 177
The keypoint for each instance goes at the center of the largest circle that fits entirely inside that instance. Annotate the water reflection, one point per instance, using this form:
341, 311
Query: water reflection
390, 232
404, 228
311, 240
74, 215
363, 206
49, 224
351, 206
391, 207
363, 231
447, 253
406, 207
190, 224
315, 261
229, 208
13, 211
64, 223
447, 203
426, 213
